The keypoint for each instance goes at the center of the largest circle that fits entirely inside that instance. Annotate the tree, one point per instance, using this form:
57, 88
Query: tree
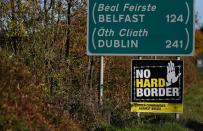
199, 42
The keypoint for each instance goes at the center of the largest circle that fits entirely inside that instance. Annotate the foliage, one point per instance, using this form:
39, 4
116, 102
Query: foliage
199, 43
23, 104
193, 103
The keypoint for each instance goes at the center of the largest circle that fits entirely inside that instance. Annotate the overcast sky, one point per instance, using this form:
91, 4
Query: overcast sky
199, 9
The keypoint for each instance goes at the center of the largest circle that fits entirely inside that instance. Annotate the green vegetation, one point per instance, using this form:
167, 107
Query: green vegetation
193, 104
201, 72
168, 126
192, 118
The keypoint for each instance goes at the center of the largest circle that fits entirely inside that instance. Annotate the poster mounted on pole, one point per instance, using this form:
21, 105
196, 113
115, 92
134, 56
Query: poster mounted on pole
157, 86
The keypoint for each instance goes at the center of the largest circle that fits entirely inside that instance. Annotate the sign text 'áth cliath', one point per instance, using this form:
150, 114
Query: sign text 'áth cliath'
140, 27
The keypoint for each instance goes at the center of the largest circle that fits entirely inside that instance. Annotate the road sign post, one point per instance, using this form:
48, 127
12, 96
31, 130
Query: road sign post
137, 27
101, 92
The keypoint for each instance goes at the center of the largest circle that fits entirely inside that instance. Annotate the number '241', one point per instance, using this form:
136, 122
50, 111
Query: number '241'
174, 44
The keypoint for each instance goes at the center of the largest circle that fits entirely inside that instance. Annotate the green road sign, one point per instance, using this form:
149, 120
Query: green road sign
140, 27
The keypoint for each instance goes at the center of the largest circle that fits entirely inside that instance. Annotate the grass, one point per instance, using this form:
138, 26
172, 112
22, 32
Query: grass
152, 127
192, 118
193, 104
200, 70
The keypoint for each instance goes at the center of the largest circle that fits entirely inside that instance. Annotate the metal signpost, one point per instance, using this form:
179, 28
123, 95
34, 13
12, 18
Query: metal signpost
137, 27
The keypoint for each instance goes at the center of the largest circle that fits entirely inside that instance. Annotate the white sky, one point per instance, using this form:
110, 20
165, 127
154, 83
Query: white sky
199, 9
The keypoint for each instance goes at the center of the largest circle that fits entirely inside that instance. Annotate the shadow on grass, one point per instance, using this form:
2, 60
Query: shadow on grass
194, 125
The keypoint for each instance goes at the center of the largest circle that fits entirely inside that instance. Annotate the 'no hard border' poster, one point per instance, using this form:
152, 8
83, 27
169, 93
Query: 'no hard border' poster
157, 86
